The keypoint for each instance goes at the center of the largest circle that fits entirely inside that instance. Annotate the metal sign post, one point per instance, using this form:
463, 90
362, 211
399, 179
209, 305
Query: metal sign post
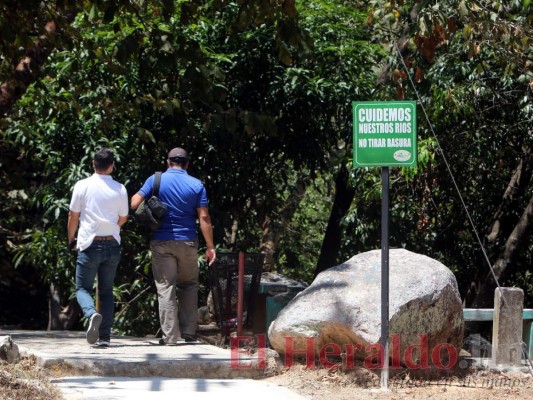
384, 135
385, 277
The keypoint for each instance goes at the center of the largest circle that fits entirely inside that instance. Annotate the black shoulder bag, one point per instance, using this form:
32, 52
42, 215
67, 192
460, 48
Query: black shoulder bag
151, 212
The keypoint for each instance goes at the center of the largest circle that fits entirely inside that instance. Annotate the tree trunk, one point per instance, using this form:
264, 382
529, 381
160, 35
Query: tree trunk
516, 240
272, 229
331, 244
480, 293
516, 187
268, 244
61, 318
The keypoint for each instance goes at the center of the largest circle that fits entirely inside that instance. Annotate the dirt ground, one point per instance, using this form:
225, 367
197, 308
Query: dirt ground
359, 384
25, 381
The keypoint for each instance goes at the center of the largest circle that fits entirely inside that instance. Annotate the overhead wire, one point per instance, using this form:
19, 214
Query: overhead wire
456, 186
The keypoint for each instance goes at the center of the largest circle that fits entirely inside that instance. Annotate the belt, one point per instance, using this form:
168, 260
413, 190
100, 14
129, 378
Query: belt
104, 237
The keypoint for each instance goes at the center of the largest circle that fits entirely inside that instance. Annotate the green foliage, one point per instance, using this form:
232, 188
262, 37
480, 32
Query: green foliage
241, 85
259, 93
300, 244
471, 61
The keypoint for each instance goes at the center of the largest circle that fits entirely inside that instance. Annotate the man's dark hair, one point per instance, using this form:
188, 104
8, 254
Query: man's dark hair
103, 158
178, 161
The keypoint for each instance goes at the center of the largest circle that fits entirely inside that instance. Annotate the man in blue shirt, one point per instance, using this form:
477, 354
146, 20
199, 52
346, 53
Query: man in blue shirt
174, 246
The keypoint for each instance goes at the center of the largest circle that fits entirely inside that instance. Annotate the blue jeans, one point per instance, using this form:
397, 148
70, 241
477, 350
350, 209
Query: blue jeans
100, 258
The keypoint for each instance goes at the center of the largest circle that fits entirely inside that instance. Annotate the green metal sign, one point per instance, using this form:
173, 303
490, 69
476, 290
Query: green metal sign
384, 134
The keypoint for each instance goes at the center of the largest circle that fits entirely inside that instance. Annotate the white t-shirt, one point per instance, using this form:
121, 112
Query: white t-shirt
100, 200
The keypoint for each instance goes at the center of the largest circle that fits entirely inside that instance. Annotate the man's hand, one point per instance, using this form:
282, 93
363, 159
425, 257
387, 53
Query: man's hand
72, 244
210, 255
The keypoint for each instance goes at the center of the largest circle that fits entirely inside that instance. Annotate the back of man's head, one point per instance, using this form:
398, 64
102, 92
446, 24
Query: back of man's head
103, 159
178, 157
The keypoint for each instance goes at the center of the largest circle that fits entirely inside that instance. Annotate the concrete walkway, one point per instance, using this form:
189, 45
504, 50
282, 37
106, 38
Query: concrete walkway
97, 388
137, 368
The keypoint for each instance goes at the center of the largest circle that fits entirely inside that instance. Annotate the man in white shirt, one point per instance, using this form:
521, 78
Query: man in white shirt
99, 205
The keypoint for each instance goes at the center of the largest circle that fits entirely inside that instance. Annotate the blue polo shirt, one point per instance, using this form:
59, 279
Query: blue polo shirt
183, 194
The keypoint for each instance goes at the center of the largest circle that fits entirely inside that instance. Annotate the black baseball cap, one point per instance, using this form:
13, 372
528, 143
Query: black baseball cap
178, 153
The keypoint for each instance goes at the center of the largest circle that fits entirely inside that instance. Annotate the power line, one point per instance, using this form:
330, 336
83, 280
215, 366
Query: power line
441, 151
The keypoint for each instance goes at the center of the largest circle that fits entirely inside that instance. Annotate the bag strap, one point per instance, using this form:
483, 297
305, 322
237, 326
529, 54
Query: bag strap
157, 181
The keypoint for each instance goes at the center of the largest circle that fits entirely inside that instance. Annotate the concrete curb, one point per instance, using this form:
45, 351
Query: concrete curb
68, 354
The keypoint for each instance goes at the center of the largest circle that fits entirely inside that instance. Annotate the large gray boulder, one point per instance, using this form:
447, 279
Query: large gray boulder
343, 307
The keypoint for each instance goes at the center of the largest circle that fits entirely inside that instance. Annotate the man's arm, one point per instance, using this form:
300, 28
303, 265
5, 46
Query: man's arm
207, 231
122, 220
136, 200
72, 226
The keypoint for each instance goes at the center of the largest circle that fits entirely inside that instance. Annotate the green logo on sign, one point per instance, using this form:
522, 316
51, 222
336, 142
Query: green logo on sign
384, 134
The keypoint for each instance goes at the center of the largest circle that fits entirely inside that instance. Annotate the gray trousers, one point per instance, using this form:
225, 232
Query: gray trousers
175, 269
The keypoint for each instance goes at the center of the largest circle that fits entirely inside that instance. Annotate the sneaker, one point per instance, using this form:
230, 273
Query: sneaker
94, 325
103, 342
189, 338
